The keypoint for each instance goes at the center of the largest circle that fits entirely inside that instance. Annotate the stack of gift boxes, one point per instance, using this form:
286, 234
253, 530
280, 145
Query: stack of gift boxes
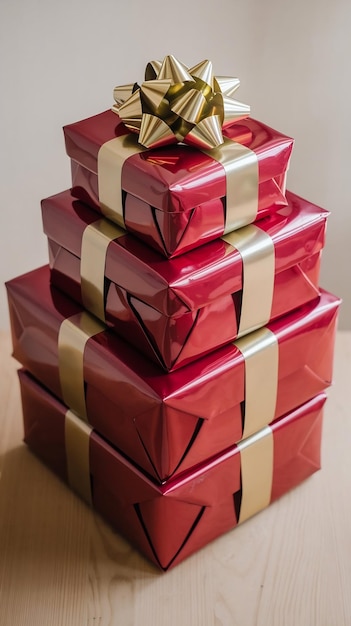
177, 349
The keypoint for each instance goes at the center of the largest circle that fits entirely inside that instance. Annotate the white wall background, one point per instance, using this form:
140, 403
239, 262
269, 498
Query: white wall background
61, 59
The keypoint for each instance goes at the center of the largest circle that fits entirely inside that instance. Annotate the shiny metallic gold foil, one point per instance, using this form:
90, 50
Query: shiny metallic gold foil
95, 241
261, 353
257, 251
73, 335
77, 437
257, 464
177, 103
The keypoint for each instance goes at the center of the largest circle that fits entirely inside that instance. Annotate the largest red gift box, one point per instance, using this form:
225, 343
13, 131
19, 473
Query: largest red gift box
169, 522
175, 197
176, 310
169, 422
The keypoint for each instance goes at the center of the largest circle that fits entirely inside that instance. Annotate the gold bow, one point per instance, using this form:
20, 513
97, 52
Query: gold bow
178, 104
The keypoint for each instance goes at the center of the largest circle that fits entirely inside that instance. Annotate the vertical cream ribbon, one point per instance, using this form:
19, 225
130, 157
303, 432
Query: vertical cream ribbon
261, 356
257, 466
257, 252
260, 350
95, 241
241, 171
77, 445
111, 157
73, 335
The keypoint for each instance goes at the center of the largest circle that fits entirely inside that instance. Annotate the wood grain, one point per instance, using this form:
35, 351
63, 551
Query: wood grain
61, 565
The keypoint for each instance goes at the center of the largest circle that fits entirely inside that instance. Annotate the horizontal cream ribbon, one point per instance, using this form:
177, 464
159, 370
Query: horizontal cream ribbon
95, 241
77, 444
257, 465
240, 165
257, 252
260, 350
73, 335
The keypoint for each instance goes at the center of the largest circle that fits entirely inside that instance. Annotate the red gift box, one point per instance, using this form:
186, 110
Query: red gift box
169, 522
174, 197
176, 310
167, 423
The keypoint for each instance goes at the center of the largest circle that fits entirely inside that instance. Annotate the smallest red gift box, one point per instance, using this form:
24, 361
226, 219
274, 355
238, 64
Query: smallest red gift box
176, 310
169, 522
168, 423
175, 198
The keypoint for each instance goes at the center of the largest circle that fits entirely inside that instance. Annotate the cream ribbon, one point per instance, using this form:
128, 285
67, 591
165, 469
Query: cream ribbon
111, 158
95, 241
241, 170
257, 465
73, 335
261, 357
257, 252
77, 443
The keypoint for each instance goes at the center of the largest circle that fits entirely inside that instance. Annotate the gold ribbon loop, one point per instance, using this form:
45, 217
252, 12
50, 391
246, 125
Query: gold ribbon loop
95, 241
177, 103
73, 335
261, 354
111, 157
77, 436
257, 465
257, 251
241, 170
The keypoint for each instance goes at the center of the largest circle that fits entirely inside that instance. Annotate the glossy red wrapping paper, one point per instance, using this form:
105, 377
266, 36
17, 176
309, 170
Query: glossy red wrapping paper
176, 310
169, 522
175, 196
168, 422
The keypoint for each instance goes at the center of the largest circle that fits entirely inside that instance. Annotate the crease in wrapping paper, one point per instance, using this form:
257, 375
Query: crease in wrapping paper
256, 249
77, 438
239, 162
256, 462
253, 244
73, 335
95, 241
260, 351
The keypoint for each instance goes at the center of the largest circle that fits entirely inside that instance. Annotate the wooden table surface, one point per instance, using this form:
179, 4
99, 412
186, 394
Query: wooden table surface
60, 564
